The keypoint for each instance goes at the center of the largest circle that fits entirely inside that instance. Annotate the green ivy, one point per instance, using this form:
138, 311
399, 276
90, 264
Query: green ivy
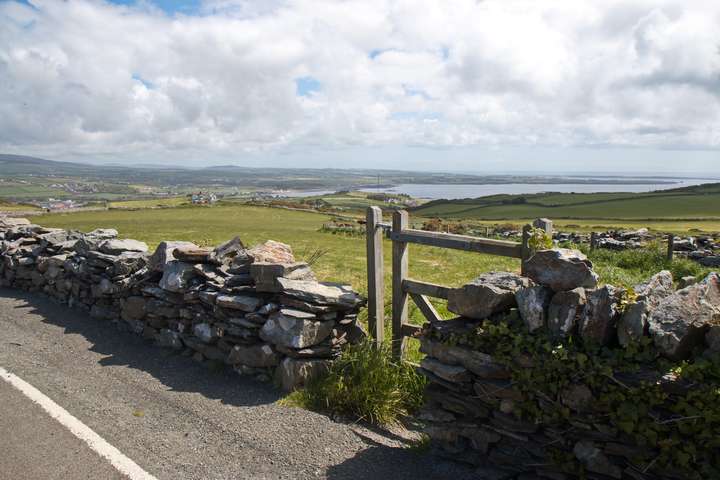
676, 433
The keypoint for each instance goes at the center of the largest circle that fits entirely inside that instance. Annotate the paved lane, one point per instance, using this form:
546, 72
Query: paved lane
170, 415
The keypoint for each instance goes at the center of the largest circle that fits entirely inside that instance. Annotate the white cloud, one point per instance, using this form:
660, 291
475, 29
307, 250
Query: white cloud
93, 78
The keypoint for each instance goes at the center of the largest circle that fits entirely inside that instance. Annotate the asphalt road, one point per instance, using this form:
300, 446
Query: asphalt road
173, 417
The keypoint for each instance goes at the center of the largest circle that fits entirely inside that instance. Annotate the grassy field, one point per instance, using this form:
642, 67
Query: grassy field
697, 203
16, 207
344, 257
151, 203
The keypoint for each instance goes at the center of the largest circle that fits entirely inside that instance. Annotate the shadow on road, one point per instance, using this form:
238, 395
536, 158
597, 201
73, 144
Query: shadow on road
124, 348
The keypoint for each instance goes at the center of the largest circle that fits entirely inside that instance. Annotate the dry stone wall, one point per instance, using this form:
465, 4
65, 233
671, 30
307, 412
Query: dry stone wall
255, 309
546, 376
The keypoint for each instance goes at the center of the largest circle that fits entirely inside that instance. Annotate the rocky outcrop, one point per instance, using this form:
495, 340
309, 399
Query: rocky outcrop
680, 321
257, 309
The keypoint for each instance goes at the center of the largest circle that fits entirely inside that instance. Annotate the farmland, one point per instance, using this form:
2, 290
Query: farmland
691, 203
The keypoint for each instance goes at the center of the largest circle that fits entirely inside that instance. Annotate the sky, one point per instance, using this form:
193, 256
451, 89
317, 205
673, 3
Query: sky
607, 86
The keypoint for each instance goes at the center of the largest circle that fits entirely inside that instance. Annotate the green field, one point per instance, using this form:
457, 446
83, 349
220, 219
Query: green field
693, 203
344, 256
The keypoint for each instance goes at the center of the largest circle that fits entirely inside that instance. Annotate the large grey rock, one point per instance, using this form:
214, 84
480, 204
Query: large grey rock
681, 320
176, 276
326, 293
116, 246
257, 356
294, 373
561, 269
293, 329
633, 322
265, 274
272, 252
532, 304
487, 294
564, 311
164, 253
598, 323
243, 303
711, 261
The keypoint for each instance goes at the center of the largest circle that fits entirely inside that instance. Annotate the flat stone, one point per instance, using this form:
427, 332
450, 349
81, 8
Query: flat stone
294, 373
487, 294
564, 312
293, 332
598, 323
164, 253
532, 304
561, 269
265, 274
243, 303
259, 356
450, 373
480, 364
681, 320
116, 246
192, 254
326, 293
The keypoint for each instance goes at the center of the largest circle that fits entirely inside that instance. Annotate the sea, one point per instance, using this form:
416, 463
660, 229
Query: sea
455, 191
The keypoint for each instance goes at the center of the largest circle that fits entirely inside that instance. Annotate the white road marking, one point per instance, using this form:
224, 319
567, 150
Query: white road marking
122, 463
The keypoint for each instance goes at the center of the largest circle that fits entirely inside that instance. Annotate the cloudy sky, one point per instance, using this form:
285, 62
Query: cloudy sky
485, 86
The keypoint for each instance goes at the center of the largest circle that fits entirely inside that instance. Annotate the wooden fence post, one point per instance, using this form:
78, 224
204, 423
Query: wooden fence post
593, 241
671, 246
525, 252
399, 273
375, 277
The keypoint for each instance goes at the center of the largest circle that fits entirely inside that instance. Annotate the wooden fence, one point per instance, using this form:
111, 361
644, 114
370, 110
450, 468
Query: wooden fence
404, 287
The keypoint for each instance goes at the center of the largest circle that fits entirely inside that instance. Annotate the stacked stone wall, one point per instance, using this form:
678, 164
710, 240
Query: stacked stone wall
256, 309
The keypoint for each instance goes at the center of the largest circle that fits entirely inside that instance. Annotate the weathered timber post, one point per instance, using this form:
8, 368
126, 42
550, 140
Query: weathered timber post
671, 246
593, 241
375, 274
399, 273
544, 224
525, 248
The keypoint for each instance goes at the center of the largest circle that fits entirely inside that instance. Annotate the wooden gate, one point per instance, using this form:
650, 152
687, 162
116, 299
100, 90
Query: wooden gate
403, 287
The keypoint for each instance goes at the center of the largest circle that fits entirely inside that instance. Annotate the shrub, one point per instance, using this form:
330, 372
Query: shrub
366, 383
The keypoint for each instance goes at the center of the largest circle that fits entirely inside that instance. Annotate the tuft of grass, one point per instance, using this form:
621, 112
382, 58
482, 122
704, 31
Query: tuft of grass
365, 383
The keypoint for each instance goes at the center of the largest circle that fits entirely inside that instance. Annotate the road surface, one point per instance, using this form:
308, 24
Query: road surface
169, 415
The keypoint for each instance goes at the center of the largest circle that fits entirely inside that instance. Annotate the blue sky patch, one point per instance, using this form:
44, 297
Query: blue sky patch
148, 84
307, 85
187, 7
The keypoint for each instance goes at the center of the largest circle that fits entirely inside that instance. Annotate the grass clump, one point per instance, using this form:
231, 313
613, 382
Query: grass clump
365, 383
630, 267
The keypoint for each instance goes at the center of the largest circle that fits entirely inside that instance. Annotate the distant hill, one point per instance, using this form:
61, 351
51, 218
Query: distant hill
693, 202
